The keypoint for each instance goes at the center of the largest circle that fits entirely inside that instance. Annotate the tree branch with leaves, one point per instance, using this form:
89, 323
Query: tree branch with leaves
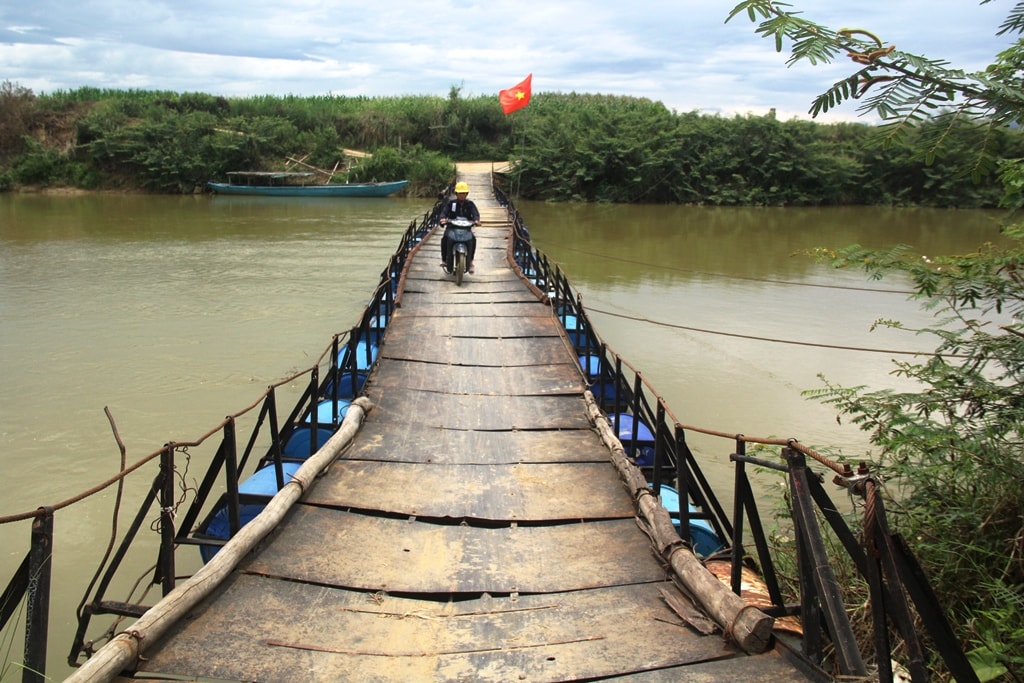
902, 89
951, 447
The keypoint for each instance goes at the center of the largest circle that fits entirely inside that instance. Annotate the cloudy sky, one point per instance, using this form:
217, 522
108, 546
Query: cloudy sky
679, 52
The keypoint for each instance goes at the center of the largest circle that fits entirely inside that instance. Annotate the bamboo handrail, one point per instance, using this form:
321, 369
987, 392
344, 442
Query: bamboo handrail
747, 626
124, 649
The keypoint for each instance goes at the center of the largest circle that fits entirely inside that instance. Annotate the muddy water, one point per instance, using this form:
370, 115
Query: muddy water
173, 312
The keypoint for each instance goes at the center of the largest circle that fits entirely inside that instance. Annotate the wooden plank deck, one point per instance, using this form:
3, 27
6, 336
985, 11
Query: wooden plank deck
476, 528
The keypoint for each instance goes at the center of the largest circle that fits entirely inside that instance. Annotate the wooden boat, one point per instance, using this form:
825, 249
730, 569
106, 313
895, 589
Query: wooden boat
292, 184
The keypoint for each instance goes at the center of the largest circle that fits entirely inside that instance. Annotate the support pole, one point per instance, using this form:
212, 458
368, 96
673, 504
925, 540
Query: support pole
37, 617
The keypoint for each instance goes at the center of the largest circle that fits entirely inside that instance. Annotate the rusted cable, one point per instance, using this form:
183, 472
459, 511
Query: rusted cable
870, 513
772, 340
725, 276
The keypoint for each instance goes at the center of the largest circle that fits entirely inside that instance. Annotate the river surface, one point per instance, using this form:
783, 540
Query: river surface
173, 312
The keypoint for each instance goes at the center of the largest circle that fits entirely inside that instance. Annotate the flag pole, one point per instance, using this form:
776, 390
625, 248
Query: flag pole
519, 165
513, 99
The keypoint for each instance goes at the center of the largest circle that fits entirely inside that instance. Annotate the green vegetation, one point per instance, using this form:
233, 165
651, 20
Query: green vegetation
173, 143
570, 147
951, 453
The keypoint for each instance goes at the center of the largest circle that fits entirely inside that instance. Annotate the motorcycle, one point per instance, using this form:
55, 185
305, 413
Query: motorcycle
459, 232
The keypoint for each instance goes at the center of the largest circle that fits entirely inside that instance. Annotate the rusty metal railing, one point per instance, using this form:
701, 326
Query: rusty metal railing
182, 513
881, 557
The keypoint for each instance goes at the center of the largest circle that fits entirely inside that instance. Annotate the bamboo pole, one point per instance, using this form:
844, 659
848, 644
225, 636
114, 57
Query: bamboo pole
335, 170
747, 626
123, 651
311, 167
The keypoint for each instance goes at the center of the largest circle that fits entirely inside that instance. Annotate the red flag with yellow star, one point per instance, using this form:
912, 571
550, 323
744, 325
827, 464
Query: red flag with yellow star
516, 97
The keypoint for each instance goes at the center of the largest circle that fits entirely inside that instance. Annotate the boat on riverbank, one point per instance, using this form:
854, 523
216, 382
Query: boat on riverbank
293, 184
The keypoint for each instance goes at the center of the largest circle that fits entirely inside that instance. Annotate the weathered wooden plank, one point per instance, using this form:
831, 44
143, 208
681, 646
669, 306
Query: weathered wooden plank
342, 636
425, 328
426, 274
493, 352
538, 492
397, 442
406, 556
475, 307
484, 292
479, 412
463, 379
770, 667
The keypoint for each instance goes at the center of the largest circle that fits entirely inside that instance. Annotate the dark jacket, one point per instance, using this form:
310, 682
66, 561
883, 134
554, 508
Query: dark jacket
453, 208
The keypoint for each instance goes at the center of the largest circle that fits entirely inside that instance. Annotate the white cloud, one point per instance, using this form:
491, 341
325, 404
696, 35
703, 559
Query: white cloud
680, 52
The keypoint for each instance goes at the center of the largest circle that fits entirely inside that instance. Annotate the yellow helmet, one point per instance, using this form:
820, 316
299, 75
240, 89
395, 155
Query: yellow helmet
461, 187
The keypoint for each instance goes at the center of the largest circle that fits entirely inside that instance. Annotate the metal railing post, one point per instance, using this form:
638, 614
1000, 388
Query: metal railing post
37, 616
166, 558
659, 453
231, 476
738, 503
814, 563
683, 484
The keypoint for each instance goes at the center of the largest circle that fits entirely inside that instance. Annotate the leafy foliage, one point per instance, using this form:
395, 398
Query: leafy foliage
951, 448
905, 90
571, 147
605, 148
952, 444
421, 167
17, 108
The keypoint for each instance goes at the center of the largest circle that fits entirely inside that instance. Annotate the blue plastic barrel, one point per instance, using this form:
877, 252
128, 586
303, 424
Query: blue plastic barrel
642, 450
345, 385
297, 445
702, 535
326, 414
591, 365
262, 482
575, 329
360, 360
603, 388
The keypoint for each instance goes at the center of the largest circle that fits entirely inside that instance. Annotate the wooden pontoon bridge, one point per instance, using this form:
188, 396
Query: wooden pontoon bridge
474, 507
475, 528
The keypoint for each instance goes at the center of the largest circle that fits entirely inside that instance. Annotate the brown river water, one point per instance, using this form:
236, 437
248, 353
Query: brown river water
173, 312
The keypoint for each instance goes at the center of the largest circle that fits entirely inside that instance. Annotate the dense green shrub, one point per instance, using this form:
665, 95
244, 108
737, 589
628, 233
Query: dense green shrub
426, 171
598, 148
570, 147
38, 165
172, 153
949, 445
17, 110
950, 448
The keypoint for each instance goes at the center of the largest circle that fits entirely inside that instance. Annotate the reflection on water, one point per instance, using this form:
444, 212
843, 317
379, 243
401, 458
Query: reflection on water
655, 242
175, 311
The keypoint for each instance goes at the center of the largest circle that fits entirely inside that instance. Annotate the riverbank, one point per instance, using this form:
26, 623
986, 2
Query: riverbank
582, 148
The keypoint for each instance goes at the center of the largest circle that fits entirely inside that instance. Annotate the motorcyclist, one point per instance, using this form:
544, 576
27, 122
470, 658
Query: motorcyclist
459, 207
